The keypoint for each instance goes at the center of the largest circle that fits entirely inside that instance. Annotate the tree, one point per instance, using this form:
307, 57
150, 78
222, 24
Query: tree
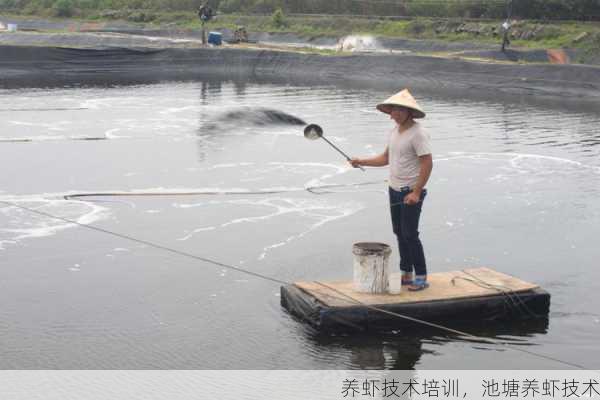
63, 8
278, 18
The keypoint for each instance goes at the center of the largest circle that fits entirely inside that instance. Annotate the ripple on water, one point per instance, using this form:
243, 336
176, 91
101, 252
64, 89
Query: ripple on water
514, 187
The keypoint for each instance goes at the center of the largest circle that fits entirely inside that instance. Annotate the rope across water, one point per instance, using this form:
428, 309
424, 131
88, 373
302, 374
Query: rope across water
342, 296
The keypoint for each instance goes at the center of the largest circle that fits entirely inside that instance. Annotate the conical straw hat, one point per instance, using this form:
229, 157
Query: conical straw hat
402, 99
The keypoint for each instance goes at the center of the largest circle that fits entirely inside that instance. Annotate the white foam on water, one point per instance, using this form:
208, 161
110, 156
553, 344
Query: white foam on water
230, 165
109, 102
27, 225
358, 43
498, 178
110, 134
194, 205
320, 209
175, 110
255, 179
338, 170
5, 243
54, 126
514, 159
369, 111
336, 211
197, 230
295, 165
75, 268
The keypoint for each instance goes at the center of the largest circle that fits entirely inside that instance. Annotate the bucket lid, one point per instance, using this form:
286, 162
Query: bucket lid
370, 248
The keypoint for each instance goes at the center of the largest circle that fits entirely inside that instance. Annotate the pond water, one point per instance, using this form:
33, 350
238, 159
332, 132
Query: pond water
515, 187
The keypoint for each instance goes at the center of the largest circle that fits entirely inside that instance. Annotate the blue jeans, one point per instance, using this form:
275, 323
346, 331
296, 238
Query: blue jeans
405, 221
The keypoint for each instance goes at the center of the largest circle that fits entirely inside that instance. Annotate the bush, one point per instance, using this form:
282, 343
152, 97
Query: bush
416, 27
63, 8
278, 19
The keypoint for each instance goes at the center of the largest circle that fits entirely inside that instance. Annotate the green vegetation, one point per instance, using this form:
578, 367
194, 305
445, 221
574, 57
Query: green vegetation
278, 19
182, 13
493, 9
63, 8
525, 33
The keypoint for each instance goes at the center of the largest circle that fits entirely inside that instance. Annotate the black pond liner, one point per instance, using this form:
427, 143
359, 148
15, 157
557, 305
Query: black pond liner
532, 304
38, 66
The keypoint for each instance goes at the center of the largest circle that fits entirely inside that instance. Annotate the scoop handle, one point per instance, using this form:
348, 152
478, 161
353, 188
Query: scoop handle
340, 151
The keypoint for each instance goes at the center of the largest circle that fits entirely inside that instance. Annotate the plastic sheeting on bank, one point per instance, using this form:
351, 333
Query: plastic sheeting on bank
31, 66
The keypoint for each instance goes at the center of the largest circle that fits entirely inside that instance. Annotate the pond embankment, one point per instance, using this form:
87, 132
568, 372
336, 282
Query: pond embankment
40, 65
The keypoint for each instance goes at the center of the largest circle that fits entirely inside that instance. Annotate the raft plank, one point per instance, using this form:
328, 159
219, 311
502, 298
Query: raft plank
443, 286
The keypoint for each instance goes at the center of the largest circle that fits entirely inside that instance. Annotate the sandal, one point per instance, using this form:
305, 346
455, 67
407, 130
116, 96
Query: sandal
407, 280
418, 285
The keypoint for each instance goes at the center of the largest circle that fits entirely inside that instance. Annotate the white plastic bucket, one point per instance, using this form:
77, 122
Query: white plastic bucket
371, 267
395, 283
11, 27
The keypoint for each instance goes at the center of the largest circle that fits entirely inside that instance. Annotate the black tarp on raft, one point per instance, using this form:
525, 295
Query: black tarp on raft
31, 66
529, 305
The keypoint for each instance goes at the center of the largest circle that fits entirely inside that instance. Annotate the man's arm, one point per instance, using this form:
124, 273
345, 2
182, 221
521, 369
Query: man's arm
425, 167
379, 160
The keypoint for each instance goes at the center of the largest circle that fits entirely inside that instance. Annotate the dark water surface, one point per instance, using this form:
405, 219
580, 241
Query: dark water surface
515, 187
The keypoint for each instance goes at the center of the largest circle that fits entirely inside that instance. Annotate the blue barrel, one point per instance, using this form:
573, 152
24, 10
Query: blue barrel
215, 38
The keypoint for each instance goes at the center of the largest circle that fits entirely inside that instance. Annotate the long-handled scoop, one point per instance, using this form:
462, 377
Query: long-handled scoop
314, 132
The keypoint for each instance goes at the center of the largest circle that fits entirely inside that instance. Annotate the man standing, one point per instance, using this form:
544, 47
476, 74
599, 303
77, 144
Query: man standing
408, 154
505, 34
205, 13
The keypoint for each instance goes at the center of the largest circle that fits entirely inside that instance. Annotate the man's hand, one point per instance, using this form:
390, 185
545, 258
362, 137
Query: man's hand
412, 198
355, 162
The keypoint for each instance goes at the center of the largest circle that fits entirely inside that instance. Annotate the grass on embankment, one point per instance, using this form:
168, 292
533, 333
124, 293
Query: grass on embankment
533, 34
527, 34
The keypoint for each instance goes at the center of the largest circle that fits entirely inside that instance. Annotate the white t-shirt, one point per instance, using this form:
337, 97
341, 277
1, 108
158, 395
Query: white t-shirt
404, 150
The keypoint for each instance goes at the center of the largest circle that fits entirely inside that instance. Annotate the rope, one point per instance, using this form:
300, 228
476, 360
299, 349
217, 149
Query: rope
444, 328
310, 189
147, 243
192, 193
279, 281
42, 109
510, 301
515, 299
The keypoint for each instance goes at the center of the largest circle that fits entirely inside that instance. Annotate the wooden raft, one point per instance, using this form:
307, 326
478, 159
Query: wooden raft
475, 293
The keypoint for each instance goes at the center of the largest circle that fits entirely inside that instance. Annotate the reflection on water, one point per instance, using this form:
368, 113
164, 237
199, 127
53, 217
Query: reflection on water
514, 187
402, 349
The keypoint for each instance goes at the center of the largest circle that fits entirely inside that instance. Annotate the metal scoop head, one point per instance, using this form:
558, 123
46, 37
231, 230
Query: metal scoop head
313, 132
